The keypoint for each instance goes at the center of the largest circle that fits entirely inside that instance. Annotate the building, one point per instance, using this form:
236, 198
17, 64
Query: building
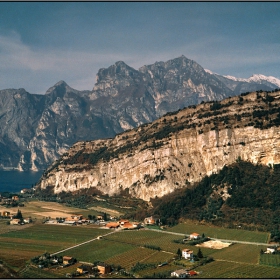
27, 220
83, 269
6, 214
104, 268
15, 198
15, 222
195, 236
149, 221
180, 273
187, 254
112, 225
67, 260
270, 250
76, 217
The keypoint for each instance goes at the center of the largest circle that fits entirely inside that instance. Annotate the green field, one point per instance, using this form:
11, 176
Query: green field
224, 269
147, 237
18, 244
222, 233
242, 253
270, 259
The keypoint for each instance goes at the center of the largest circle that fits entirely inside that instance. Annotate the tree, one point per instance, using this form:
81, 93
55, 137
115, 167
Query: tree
18, 215
179, 253
199, 254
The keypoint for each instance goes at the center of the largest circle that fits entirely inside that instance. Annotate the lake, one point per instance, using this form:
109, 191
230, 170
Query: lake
14, 181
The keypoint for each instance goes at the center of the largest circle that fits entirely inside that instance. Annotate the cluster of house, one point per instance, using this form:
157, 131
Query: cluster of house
8, 200
112, 224
124, 224
183, 273
102, 267
14, 221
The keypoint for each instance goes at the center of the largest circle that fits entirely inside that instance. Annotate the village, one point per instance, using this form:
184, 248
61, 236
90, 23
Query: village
184, 263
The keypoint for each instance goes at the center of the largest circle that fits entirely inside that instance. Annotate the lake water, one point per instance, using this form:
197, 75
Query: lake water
14, 181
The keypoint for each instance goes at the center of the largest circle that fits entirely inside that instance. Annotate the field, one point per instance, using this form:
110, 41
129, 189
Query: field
270, 259
222, 233
224, 269
18, 244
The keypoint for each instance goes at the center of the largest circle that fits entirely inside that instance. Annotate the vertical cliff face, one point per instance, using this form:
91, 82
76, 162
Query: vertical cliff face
36, 130
175, 150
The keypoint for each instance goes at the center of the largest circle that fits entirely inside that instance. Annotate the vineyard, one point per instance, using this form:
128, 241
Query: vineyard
222, 233
241, 253
225, 269
98, 250
154, 238
270, 259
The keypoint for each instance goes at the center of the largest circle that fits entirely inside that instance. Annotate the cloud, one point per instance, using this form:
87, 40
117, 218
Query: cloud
78, 68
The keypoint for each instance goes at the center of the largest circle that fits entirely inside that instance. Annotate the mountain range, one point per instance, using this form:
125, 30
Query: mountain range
35, 130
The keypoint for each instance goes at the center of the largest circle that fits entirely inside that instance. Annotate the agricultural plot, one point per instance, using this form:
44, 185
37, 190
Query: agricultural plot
131, 257
18, 247
241, 253
154, 238
37, 273
98, 250
150, 272
55, 233
222, 233
270, 259
225, 269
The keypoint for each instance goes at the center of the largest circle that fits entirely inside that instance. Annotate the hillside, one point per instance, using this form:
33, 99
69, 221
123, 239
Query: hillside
174, 151
241, 195
37, 129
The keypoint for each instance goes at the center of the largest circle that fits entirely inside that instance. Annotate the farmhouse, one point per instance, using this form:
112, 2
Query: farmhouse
104, 268
194, 236
149, 221
180, 273
187, 253
15, 222
270, 250
83, 269
27, 220
112, 225
6, 214
67, 260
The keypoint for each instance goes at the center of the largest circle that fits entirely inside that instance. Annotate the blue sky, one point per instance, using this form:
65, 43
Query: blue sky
42, 43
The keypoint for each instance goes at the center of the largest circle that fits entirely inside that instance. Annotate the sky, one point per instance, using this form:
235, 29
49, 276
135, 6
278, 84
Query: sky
42, 43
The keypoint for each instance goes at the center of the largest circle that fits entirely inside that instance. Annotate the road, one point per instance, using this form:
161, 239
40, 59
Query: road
216, 239
166, 232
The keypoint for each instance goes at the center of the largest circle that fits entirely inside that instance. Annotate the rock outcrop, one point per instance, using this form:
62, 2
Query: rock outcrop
179, 148
36, 129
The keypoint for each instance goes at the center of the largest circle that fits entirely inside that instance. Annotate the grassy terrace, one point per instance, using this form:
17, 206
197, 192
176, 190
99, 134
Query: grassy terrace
222, 233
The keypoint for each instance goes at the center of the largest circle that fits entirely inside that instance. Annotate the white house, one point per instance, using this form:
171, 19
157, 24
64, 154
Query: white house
180, 273
187, 253
270, 250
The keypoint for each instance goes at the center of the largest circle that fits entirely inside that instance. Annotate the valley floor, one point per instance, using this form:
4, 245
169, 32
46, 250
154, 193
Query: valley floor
138, 252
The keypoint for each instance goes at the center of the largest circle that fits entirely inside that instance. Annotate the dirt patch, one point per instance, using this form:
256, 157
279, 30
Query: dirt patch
53, 214
214, 244
102, 209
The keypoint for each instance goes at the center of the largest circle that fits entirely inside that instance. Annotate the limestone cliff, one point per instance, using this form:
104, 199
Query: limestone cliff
156, 158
